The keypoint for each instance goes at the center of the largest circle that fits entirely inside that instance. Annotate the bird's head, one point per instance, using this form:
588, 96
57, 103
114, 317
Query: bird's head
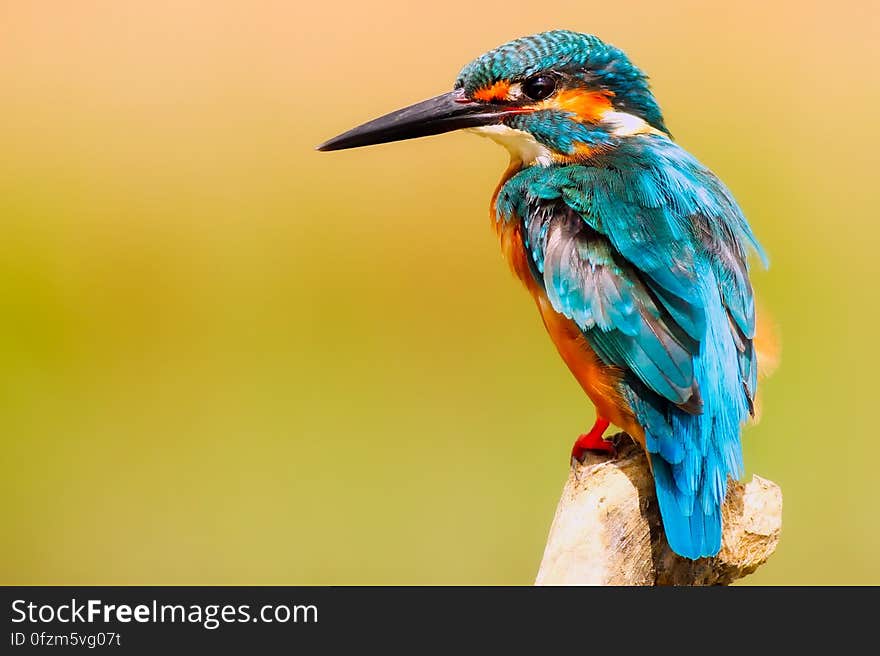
552, 97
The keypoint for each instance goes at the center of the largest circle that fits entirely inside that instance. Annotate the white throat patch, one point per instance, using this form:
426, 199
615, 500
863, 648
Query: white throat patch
626, 125
521, 145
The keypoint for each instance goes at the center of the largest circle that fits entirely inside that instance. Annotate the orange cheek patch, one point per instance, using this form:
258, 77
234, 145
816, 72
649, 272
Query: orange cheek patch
497, 91
587, 105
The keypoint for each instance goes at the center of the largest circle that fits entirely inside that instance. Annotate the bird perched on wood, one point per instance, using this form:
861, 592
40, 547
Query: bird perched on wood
634, 252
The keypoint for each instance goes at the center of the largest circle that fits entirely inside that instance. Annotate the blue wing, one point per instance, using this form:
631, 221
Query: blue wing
590, 282
646, 251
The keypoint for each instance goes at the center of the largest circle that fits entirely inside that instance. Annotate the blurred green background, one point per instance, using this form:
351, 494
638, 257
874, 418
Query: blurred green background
230, 359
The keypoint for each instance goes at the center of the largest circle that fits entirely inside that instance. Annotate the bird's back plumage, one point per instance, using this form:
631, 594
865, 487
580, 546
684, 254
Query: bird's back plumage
645, 250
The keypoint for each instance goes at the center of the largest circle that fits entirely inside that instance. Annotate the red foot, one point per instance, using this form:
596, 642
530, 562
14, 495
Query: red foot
593, 441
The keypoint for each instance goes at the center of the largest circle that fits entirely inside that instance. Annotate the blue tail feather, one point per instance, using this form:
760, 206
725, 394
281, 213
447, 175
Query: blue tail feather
693, 455
690, 531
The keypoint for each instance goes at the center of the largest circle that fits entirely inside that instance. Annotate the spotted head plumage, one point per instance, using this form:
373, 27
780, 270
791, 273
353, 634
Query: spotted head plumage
557, 61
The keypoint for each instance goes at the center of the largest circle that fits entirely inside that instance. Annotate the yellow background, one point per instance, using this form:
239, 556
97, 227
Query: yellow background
228, 358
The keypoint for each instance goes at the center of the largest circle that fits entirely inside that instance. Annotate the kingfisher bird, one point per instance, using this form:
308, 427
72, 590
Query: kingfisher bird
635, 253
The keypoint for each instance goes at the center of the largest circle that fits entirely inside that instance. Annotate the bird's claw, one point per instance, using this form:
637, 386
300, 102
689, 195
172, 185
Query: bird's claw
593, 442
592, 445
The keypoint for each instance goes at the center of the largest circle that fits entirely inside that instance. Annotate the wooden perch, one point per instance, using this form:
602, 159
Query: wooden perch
607, 528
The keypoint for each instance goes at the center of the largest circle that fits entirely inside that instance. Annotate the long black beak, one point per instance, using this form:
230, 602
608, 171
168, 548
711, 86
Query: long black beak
451, 111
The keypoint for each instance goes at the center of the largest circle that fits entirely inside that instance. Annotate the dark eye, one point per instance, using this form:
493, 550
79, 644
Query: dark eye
539, 87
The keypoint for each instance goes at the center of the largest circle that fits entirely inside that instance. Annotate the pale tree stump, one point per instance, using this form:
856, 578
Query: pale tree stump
607, 528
